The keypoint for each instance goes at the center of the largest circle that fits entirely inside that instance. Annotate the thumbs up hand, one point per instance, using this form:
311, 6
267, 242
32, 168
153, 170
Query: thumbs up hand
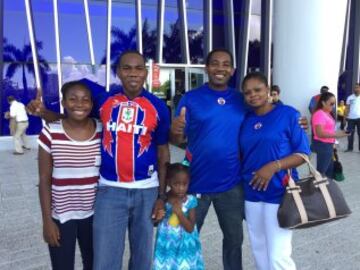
182, 114
178, 124
36, 106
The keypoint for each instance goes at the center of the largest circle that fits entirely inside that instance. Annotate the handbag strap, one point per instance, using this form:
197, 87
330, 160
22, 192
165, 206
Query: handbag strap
319, 182
328, 200
295, 192
318, 177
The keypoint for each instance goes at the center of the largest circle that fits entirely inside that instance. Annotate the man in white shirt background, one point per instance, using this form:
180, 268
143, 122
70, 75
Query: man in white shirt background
18, 114
352, 114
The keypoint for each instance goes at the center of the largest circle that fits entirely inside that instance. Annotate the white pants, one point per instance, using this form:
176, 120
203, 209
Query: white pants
270, 244
20, 139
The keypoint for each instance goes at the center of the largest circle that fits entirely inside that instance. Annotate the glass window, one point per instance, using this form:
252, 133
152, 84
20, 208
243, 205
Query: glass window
149, 32
15, 27
72, 43
254, 37
195, 17
98, 19
254, 34
123, 31
43, 19
75, 71
172, 34
218, 24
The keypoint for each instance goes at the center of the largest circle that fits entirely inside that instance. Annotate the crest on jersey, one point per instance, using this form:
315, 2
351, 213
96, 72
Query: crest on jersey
127, 114
258, 125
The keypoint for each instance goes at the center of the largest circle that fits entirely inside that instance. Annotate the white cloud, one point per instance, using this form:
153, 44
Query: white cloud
73, 71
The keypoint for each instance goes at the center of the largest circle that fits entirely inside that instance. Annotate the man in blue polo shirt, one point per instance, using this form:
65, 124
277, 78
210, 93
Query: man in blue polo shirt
210, 118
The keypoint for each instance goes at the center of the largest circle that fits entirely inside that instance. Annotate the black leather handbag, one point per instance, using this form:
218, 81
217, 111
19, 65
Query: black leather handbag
311, 201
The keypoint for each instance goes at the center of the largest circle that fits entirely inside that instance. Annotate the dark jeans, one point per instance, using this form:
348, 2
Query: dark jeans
63, 257
324, 157
229, 208
352, 123
342, 121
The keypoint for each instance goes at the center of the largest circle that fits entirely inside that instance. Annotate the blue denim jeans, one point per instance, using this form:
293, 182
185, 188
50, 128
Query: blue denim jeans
118, 209
229, 208
324, 157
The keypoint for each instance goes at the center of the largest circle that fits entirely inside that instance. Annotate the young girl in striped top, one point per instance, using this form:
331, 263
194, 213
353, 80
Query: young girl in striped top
69, 159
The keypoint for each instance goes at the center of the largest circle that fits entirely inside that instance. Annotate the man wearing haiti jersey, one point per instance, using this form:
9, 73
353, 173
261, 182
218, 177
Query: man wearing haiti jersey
132, 173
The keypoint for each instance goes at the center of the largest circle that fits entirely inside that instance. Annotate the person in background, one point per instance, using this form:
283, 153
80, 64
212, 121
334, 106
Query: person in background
177, 97
18, 114
341, 114
275, 95
314, 100
323, 127
312, 106
69, 159
12, 123
352, 114
270, 139
177, 244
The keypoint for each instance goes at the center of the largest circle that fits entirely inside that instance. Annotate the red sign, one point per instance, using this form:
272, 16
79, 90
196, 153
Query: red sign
155, 76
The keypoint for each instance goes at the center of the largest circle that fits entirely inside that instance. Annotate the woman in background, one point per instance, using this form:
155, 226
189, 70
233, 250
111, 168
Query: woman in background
323, 127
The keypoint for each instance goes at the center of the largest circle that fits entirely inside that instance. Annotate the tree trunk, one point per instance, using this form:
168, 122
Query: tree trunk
26, 90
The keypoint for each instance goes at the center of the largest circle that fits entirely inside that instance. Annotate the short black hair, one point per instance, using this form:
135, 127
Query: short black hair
275, 88
67, 86
129, 52
10, 98
255, 75
173, 169
324, 89
210, 54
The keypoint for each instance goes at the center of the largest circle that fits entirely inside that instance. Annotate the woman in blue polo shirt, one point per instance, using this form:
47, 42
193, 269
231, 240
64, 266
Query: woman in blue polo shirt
269, 138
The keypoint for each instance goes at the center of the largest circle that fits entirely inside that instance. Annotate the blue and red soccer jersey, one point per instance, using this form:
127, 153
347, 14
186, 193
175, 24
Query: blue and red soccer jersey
132, 130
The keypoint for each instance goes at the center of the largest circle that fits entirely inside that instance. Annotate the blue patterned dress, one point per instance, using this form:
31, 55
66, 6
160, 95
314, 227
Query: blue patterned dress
176, 249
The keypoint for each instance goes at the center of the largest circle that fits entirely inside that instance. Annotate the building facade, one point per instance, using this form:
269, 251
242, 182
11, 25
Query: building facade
49, 42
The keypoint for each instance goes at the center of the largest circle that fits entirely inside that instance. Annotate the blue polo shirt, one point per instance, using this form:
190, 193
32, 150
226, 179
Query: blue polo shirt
267, 138
213, 120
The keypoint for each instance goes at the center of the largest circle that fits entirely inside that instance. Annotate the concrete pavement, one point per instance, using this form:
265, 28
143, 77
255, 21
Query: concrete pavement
333, 246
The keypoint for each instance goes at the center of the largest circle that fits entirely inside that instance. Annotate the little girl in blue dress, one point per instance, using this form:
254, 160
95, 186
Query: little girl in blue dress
177, 243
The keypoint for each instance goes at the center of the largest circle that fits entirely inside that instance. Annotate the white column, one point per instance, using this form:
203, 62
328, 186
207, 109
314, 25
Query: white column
307, 44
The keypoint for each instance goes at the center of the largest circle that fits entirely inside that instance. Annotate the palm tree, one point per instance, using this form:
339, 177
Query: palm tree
22, 59
149, 38
172, 44
196, 41
121, 42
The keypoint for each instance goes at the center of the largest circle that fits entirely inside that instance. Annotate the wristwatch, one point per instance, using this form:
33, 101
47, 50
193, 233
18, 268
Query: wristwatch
162, 196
